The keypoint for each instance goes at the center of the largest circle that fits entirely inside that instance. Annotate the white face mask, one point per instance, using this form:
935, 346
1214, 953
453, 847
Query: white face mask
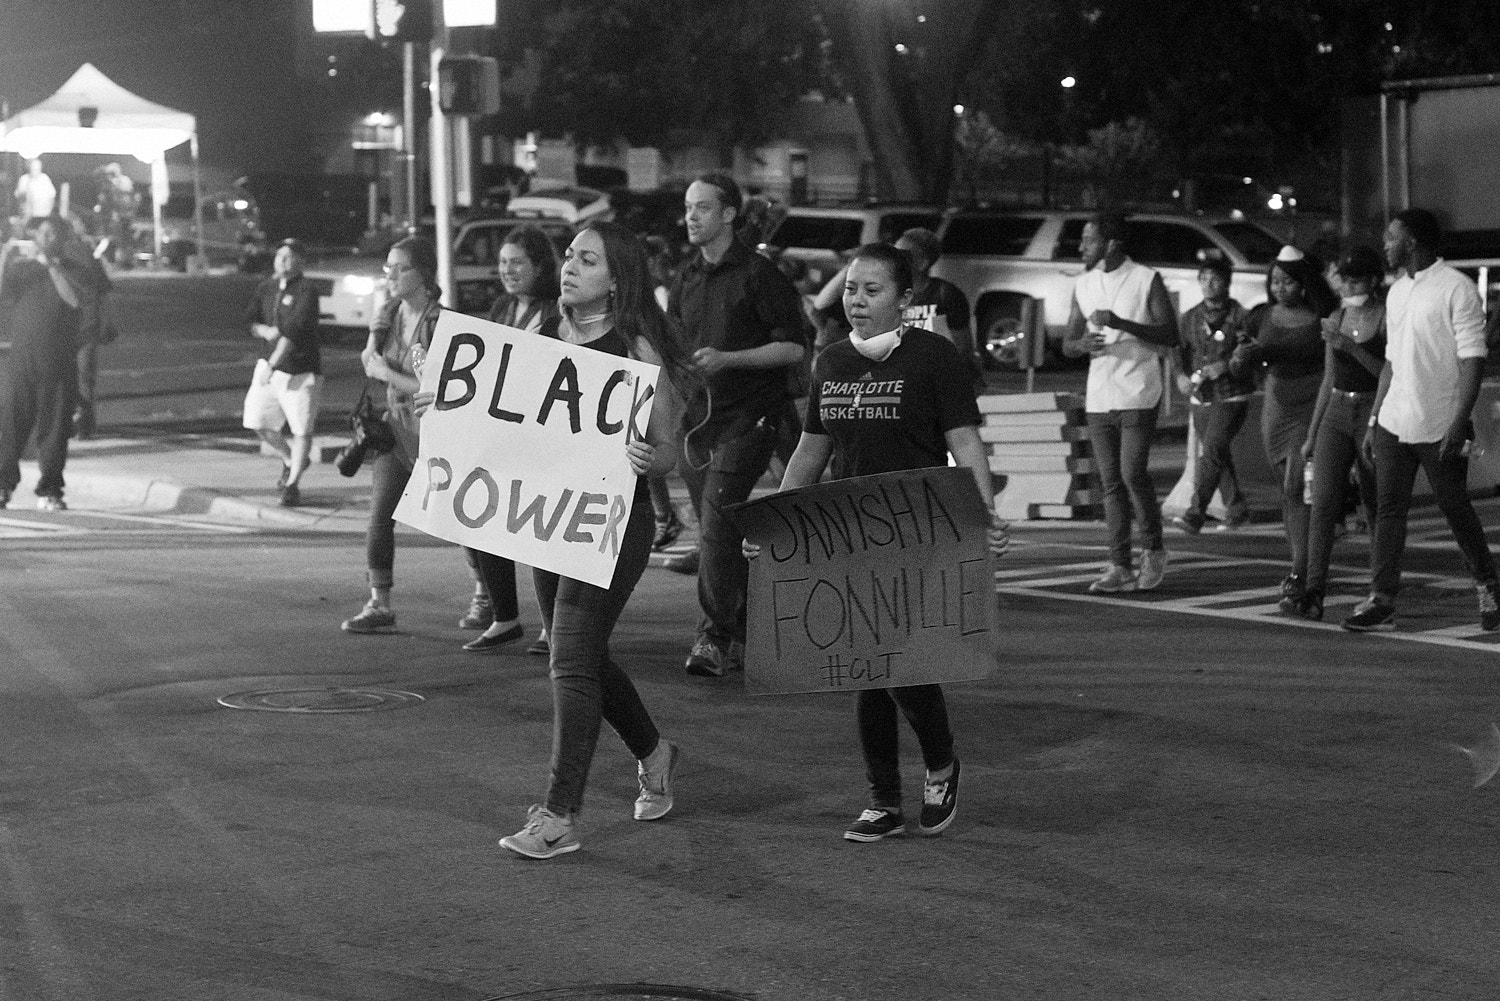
879, 347
1357, 300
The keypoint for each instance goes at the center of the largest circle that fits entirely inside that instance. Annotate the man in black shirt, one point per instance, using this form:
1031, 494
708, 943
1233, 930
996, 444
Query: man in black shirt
743, 321
287, 386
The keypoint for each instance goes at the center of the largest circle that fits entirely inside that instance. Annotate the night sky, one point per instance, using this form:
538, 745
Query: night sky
228, 62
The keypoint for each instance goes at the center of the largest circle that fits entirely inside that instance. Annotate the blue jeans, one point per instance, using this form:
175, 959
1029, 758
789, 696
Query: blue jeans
1396, 465
1121, 441
498, 575
926, 710
1337, 449
587, 686
735, 467
389, 473
1217, 424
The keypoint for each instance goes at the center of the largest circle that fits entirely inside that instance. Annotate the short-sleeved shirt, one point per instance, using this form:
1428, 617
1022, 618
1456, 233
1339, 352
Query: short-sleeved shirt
894, 414
1433, 320
940, 299
291, 306
742, 301
396, 343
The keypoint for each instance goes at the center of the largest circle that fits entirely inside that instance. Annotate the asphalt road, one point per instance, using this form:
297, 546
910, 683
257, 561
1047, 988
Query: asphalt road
1178, 795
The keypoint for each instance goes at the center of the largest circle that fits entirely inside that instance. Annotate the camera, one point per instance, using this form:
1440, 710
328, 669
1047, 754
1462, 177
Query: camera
371, 435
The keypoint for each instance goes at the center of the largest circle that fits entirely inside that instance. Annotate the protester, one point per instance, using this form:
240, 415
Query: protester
96, 328
287, 388
43, 297
937, 304
528, 273
1286, 342
36, 195
1352, 360
1220, 399
1422, 415
608, 306
936, 415
1123, 320
391, 356
743, 320
668, 520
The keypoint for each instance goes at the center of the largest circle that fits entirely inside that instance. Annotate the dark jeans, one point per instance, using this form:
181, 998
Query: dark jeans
926, 710
1335, 451
587, 686
88, 382
1121, 441
40, 397
389, 473
735, 467
1216, 425
1396, 465
498, 575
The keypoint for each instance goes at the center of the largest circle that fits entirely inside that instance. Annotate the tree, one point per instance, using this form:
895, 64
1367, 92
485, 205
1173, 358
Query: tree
905, 66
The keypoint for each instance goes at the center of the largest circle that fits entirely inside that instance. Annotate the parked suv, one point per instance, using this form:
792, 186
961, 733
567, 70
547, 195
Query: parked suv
1018, 268
820, 236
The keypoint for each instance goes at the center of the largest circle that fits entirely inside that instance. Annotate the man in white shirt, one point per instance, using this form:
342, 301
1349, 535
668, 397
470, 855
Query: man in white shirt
1422, 418
1123, 319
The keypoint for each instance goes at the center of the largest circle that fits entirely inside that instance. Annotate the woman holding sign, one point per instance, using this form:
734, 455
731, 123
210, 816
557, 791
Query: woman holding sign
528, 271
607, 305
399, 338
934, 414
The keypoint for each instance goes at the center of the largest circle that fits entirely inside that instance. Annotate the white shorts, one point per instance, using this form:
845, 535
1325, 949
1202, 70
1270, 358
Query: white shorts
285, 399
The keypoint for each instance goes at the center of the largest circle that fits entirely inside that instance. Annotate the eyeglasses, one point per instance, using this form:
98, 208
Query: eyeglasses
392, 270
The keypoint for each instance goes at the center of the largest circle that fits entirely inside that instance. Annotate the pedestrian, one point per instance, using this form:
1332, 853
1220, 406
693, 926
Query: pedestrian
528, 274
1285, 342
936, 416
1124, 321
937, 304
668, 520
96, 328
1422, 416
608, 306
42, 292
1354, 354
398, 342
287, 387
743, 321
36, 195
1220, 398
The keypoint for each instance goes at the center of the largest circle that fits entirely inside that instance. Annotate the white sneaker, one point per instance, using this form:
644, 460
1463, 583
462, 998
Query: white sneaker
51, 502
546, 834
655, 800
1153, 569
1115, 580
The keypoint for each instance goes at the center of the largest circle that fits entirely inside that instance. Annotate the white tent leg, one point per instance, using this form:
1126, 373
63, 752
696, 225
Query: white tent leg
202, 251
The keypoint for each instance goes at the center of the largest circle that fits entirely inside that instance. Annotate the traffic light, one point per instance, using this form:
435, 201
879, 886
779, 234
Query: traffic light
405, 20
469, 85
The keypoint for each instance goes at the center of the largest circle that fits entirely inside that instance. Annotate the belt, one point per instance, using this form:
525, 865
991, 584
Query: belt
1344, 394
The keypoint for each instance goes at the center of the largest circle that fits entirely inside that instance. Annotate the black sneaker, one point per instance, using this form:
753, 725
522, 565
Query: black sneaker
1311, 605
666, 533
706, 660
939, 803
1293, 587
1489, 605
876, 824
1372, 616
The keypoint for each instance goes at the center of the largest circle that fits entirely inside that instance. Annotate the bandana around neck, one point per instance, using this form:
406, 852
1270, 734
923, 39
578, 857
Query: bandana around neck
879, 347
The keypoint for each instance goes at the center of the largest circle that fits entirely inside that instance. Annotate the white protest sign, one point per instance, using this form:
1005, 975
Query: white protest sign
523, 451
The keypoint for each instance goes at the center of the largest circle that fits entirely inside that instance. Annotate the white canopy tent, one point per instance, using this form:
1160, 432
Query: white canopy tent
90, 113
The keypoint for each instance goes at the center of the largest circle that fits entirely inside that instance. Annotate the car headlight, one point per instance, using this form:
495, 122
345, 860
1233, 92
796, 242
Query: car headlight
360, 285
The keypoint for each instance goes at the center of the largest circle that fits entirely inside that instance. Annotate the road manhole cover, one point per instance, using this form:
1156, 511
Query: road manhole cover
321, 700
631, 992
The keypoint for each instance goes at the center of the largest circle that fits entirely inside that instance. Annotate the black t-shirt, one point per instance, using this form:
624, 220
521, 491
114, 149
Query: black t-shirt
940, 298
294, 312
43, 328
741, 302
895, 414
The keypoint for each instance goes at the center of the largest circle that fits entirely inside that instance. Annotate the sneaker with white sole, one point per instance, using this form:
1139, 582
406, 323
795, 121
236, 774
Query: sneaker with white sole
545, 835
875, 824
51, 502
371, 619
1115, 580
706, 660
480, 614
1153, 569
655, 800
1372, 616
939, 803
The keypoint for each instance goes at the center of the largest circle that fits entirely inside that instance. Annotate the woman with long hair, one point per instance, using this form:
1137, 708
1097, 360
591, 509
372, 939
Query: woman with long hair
1285, 336
1353, 357
528, 273
607, 305
936, 416
399, 338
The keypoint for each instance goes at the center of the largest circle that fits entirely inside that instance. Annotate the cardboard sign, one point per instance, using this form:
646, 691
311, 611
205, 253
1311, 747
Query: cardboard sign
870, 582
523, 452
